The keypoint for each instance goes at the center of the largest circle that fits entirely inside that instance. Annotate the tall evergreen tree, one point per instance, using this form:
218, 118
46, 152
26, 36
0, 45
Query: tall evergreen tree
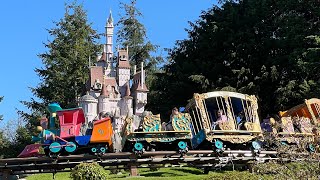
266, 48
65, 63
1, 116
133, 34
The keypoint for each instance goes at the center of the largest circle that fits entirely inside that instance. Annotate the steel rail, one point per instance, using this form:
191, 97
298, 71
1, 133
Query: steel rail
195, 158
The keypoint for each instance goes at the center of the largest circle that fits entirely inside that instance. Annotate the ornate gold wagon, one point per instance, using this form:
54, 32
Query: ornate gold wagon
224, 119
299, 125
147, 133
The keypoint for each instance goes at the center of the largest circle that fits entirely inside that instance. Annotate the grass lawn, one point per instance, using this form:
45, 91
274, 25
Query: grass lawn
168, 174
162, 173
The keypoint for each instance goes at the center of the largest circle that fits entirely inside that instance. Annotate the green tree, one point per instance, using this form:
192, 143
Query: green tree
65, 64
133, 34
266, 48
1, 116
4, 144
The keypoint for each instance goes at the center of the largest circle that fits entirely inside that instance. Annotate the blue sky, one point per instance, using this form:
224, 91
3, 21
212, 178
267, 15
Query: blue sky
23, 32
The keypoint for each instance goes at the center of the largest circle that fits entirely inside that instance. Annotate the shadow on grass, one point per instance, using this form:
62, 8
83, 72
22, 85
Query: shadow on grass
190, 171
157, 174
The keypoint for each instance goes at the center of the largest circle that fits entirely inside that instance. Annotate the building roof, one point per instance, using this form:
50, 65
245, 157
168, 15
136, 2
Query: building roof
138, 87
96, 72
103, 57
110, 19
110, 81
104, 92
137, 76
87, 98
128, 93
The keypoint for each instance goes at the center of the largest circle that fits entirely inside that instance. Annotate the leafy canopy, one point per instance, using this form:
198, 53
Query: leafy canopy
65, 64
266, 48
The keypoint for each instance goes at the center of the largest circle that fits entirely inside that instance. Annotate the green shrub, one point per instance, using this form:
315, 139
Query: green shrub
88, 171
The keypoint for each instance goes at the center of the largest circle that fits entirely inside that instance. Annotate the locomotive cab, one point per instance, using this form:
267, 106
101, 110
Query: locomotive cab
71, 121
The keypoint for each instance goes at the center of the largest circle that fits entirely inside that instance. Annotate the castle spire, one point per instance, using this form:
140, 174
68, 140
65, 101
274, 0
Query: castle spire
110, 19
108, 47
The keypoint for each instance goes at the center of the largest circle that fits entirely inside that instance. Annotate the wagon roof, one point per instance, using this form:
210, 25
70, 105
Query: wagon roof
226, 93
292, 111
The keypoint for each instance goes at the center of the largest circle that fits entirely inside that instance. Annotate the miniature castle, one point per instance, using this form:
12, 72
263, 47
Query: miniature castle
108, 87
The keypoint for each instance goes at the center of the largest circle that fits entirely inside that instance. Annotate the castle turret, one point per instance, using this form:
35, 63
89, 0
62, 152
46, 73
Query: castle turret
109, 37
103, 101
139, 91
89, 106
128, 102
123, 70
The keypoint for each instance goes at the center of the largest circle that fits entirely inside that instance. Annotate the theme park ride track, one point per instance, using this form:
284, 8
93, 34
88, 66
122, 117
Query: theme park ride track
196, 158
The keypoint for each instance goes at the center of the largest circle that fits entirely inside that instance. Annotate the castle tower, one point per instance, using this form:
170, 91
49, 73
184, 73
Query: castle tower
89, 106
110, 71
106, 59
139, 91
103, 101
109, 37
123, 70
127, 102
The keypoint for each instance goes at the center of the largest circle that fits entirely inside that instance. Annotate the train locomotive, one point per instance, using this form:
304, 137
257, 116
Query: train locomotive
73, 136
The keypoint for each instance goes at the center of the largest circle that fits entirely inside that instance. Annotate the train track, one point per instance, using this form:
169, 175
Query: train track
196, 158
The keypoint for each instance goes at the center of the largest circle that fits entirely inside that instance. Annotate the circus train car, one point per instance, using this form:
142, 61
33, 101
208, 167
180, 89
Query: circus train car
225, 120
147, 133
299, 125
73, 136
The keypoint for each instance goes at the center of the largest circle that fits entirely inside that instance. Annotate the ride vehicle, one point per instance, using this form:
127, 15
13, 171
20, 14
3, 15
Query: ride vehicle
148, 134
299, 125
74, 135
225, 120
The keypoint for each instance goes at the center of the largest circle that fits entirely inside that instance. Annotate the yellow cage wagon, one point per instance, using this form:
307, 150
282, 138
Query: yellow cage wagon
225, 120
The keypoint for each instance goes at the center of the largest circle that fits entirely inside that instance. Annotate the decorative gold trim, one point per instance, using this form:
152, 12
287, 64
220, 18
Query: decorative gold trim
231, 138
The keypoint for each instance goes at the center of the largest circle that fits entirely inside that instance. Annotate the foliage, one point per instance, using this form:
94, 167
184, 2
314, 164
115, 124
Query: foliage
65, 64
266, 48
133, 34
236, 175
13, 140
21, 139
4, 144
1, 116
86, 171
294, 170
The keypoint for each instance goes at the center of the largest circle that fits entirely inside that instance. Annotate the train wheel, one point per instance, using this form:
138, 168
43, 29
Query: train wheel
218, 145
55, 147
311, 148
94, 150
70, 147
103, 150
256, 145
183, 147
138, 148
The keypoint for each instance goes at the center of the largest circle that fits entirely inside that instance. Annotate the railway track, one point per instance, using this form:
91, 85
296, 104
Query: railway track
123, 160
